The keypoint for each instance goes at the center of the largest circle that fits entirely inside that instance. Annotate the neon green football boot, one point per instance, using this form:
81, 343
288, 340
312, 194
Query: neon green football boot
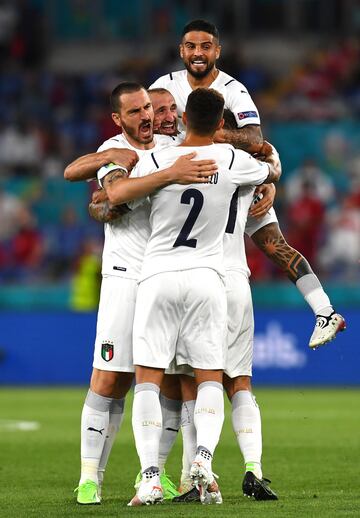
168, 486
87, 493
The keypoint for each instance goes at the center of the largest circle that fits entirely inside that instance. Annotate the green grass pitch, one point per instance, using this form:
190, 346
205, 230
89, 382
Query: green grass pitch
311, 453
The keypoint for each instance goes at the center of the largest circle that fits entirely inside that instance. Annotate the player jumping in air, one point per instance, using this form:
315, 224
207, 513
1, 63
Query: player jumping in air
199, 50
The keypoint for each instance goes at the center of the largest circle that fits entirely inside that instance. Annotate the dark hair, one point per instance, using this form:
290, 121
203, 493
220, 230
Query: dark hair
229, 120
201, 25
204, 110
126, 87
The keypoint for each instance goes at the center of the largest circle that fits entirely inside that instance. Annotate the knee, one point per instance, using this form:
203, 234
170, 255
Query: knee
111, 384
233, 385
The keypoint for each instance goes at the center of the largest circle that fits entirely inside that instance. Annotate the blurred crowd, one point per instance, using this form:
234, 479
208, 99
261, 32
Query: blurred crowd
48, 119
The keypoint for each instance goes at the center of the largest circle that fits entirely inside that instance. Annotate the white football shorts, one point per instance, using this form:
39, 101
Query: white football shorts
113, 344
254, 224
181, 315
240, 335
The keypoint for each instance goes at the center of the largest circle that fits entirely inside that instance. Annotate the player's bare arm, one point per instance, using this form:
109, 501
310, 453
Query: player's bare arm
272, 242
184, 171
248, 138
264, 196
85, 167
101, 210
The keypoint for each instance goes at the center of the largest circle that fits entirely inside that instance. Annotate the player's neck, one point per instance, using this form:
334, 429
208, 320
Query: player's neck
203, 82
191, 139
138, 145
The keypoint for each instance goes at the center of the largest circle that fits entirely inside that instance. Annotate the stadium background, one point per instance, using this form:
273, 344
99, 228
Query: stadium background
300, 61
59, 60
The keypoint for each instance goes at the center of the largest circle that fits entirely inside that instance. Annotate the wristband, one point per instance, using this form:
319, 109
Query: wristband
107, 168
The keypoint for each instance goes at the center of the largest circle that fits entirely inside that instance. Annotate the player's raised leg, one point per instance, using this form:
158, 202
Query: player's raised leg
328, 323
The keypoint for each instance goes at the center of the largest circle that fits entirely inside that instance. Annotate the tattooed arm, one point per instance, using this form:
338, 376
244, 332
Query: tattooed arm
101, 210
271, 241
100, 207
183, 171
248, 138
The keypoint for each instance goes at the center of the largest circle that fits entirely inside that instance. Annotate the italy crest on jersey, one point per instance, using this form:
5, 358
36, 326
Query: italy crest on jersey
107, 351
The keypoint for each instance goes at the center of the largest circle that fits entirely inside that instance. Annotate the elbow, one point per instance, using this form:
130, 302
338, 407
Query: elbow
279, 171
68, 174
275, 173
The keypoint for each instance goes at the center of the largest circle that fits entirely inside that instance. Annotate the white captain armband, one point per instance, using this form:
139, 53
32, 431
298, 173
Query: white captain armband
108, 168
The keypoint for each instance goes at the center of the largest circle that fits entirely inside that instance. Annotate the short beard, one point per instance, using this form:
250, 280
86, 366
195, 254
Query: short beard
199, 75
131, 132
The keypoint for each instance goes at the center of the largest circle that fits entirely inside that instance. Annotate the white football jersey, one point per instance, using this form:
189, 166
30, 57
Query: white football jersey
126, 238
234, 244
188, 221
237, 98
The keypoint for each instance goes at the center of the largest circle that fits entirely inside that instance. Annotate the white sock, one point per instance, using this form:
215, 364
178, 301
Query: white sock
147, 424
314, 294
116, 417
189, 438
94, 427
209, 414
246, 421
171, 415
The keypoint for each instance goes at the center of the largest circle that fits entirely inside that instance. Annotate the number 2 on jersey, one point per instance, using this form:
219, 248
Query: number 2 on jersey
186, 197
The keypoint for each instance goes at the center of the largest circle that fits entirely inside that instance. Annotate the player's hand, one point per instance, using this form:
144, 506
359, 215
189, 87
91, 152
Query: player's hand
186, 170
261, 151
265, 194
125, 157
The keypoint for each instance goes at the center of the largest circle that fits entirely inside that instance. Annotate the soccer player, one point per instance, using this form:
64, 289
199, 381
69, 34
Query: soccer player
237, 380
240, 327
181, 305
165, 112
124, 247
200, 49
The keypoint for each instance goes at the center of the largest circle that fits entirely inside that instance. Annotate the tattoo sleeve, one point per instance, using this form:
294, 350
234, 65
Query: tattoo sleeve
244, 138
113, 176
271, 241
